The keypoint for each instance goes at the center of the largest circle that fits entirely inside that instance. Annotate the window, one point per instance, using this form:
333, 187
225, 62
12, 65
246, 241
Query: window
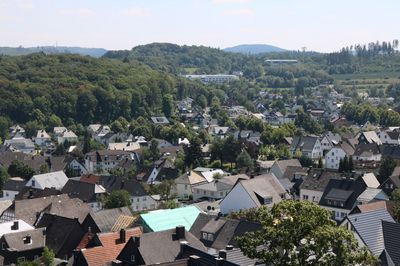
132, 258
221, 194
144, 198
186, 187
37, 256
210, 237
21, 259
212, 193
138, 199
267, 200
204, 235
3, 246
305, 197
342, 214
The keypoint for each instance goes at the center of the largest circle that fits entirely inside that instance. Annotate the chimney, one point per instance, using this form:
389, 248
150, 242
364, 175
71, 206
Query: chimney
183, 245
222, 254
228, 247
116, 262
137, 241
180, 231
194, 260
15, 226
219, 261
122, 235
30, 195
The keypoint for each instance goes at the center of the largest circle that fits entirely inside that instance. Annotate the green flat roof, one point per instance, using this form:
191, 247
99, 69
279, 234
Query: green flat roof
160, 220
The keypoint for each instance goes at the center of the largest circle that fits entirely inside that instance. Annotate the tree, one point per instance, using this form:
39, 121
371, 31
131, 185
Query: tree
19, 169
60, 149
351, 164
117, 198
396, 200
163, 189
243, 160
154, 150
302, 233
48, 256
386, 168
320, 163
168, 105
3, 177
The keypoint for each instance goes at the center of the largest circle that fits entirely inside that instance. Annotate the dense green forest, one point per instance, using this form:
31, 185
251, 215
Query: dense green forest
69, 89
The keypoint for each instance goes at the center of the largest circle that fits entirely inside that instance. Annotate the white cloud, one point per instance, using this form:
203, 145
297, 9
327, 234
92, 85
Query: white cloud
135, 12
79, 12
231, 1
25, 4
238, 12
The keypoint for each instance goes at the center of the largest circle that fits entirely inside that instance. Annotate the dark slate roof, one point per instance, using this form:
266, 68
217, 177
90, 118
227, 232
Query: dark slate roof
15, 240
163, 246
391, 150
303, 143
317, 179
395, 177
385, 259
106, 219
14, 184
61, 231
340, 186
111, 183
291, 171
366, 150
35, 162
393, 134
391, 235
34, 193
369, 227
81, 190
225, 230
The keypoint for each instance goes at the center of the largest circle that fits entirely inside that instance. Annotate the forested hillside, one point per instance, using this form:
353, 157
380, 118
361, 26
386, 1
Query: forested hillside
70, 89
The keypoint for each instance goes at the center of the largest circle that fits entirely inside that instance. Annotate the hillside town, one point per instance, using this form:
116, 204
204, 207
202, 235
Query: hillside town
108, 196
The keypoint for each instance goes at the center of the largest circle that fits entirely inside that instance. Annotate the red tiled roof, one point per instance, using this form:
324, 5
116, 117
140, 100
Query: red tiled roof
110, 249
89, 178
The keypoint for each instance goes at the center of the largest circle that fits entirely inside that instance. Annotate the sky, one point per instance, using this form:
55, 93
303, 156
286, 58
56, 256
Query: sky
318, 25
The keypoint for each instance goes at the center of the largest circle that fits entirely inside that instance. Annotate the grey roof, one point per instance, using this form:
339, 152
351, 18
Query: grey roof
385, 259
159, 120
368, 225
371, 137
391, 235
61, 205
264, 186
14, 184
15, 241
318, 179
370, 194
395, 177
303, 143
159, 247
338, 194
292, 170
284, 164
106, 219
367, 150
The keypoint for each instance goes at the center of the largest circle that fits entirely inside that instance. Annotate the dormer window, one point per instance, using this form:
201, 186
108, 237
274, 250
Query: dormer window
267, 200
207, 236
27, 240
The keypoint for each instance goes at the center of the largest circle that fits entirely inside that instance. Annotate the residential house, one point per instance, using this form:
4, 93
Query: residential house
217, 232
36, 162
55, 180
103, 248
217, 131
315, 183
22, 246
392, 183
308, 146
368, 230
216, 189
278, 168
34, 193
109, 220
340, 196
124, 146
20, 144
370, 152
162, 170
42, 138
371, 195
87, 192
329, 140
337, 153
62, 234
12, 187
392, 151
184, 184
160, 220
16, 130
140, 250
104, 160
67, 135
14, 226
391, 241
261, 190
139, 198
30, 209
369, 137
159, 120
389, 137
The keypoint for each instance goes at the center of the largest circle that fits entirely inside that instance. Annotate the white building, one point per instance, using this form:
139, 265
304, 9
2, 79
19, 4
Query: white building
12, 187
55, 180
217, 79
42, 138
337, 153
252, 193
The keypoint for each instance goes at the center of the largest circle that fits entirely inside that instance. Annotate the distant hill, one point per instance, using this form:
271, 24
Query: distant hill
15, 51
254, 49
